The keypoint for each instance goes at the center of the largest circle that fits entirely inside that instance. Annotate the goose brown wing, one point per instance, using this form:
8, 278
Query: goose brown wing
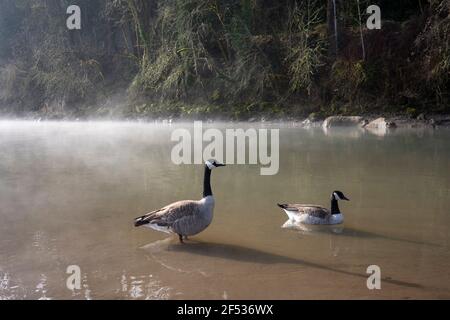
171, 213
309, 209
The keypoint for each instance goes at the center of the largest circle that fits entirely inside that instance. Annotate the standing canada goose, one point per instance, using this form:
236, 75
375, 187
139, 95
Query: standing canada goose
313, 214
186, 217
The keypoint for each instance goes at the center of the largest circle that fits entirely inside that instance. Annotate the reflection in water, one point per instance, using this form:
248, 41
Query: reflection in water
164, 245
339, 132
305, 229
378, 131
10, 289
131, 287
41, 288
87, 291
308, 229
69, 192
143, 287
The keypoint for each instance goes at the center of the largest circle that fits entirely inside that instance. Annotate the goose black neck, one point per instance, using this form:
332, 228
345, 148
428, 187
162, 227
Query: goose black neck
207, 182
334, 207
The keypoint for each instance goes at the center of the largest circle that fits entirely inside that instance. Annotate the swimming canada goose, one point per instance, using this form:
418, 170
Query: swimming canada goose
187, 217
313, 214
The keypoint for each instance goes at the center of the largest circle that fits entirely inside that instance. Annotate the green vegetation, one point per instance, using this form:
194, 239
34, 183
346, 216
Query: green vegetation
233, 59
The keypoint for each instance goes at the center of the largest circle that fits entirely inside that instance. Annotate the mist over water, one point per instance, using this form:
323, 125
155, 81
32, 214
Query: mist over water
69, 192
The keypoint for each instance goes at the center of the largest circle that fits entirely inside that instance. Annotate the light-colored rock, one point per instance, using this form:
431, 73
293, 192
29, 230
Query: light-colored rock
306, 123
379, 126
379, 123
343, 121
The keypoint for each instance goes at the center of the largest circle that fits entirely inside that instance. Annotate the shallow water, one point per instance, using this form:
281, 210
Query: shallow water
69, 193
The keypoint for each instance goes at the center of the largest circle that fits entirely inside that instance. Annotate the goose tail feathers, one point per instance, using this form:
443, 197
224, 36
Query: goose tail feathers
282, 206
139, 221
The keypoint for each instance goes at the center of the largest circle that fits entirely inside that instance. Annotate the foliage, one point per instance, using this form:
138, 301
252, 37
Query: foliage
434, 43
232, 58
306, 52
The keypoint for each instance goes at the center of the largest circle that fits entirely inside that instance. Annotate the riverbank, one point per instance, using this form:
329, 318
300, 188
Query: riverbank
153, 112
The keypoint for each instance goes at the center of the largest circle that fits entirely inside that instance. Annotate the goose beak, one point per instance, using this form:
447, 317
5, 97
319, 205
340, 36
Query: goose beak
346, 199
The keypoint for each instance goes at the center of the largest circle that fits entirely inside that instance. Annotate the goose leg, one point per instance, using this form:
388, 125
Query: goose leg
181, 238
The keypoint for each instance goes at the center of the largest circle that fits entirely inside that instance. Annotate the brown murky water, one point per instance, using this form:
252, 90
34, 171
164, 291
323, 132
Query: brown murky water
69, 192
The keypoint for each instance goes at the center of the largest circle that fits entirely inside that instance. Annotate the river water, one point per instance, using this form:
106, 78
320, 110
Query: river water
69, 192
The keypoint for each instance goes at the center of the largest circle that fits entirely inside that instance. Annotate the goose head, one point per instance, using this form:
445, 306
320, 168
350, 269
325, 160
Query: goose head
211, 164
338, 195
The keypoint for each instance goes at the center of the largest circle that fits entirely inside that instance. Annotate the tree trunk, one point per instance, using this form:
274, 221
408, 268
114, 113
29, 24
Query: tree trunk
333, 27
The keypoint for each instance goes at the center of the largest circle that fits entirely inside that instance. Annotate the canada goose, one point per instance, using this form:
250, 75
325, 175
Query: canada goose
187, 217
313, 214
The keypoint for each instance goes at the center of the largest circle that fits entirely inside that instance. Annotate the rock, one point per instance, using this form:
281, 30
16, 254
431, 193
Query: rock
441, 120
343, 121
306, 123
364, 123
421, 117
380, 124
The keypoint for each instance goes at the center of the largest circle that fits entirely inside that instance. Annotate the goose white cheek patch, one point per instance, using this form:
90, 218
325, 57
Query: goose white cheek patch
336, 196
210, 165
